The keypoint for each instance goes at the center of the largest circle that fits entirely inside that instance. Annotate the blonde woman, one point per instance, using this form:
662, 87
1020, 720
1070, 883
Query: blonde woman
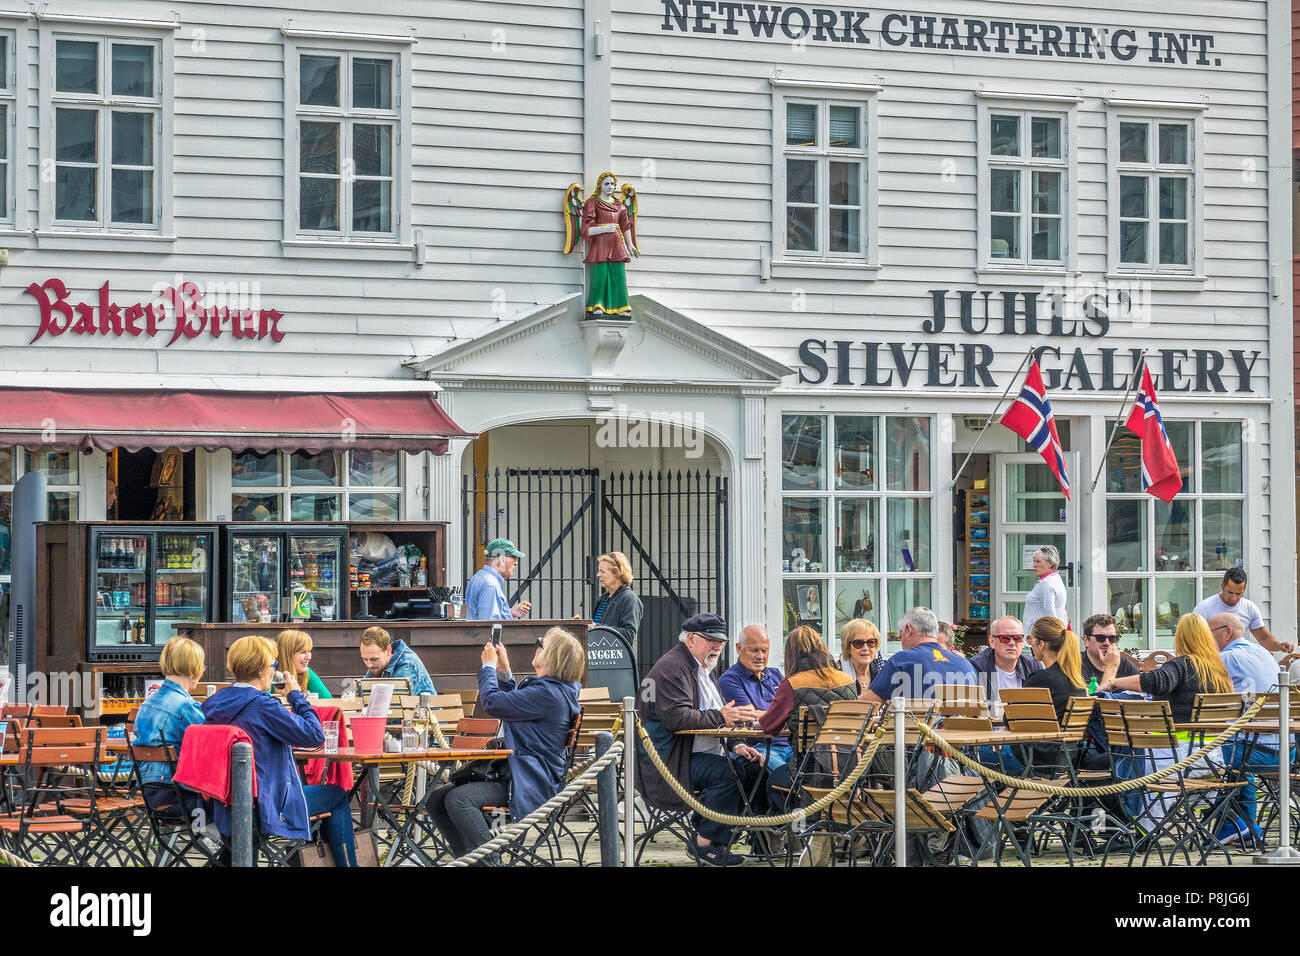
1197, 669
166, 712
536, 715
1056, 647
617, 606
295, 655
860, 651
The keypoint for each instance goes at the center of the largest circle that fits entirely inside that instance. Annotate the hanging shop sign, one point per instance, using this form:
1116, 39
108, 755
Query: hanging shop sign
1088, 366
178, 312
836, 25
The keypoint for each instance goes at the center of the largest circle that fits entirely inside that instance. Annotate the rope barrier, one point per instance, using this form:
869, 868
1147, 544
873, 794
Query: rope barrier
779, 820
13, 859
509, 833
1023, 783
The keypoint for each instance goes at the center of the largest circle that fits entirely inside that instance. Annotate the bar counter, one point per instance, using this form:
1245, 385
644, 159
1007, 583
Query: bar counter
450, 650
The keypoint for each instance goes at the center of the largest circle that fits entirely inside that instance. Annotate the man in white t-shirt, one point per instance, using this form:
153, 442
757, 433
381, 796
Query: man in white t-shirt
1231, 600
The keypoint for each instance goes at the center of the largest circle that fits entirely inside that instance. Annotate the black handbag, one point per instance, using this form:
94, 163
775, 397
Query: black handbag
484, 771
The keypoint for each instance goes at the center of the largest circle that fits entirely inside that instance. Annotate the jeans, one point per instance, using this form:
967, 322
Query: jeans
1010, 761
711, 773
1263, 756
327, 798
457, 810
778, 755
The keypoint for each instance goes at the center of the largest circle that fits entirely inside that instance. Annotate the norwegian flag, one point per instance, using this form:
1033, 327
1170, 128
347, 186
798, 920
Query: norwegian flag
1160, 474
1030, 417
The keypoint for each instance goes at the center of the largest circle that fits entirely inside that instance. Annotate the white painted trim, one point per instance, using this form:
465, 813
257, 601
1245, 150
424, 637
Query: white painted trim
301, 33
1058, 98
15, 15
73, 238
822, 269
822, 86
1115, 102
221, 383
123, 23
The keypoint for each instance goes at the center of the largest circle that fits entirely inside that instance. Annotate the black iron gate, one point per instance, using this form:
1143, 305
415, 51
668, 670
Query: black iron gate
673, 526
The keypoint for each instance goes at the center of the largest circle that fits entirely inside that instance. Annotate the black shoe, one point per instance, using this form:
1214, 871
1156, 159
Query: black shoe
714, 854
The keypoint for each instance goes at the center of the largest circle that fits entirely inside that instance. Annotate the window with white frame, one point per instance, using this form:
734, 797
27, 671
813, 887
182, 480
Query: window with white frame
8, 114
1025, 166
349, 139
327, 486
1154, 191
1162, 559
107, 100
857, 509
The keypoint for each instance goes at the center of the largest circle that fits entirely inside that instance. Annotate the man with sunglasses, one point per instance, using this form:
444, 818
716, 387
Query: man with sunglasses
1003, 664
1101, 647
680, 693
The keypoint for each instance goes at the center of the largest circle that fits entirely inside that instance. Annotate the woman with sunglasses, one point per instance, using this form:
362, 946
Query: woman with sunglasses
860, 651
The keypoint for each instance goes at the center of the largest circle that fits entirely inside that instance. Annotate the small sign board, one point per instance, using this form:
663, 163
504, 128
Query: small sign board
610, 663
1027, 553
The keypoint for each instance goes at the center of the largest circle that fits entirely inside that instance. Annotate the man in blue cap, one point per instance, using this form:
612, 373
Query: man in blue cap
485, 598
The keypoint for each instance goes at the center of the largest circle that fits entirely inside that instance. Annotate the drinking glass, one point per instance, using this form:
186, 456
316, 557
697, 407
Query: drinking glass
410, 736
331, 728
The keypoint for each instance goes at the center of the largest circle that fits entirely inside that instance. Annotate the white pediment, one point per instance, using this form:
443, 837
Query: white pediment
558, 343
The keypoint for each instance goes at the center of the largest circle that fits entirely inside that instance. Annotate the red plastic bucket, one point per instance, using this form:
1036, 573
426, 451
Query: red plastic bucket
368, 734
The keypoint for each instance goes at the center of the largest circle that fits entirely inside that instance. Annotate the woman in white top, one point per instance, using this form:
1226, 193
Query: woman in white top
1047, 599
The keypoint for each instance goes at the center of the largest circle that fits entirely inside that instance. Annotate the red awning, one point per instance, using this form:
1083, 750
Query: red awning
263, 421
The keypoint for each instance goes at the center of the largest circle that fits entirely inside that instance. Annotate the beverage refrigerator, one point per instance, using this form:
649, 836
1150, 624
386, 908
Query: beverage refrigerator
284, 573
147, 579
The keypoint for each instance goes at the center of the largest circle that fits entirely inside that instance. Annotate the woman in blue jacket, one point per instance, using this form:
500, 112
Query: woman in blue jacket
537, 715
284, 805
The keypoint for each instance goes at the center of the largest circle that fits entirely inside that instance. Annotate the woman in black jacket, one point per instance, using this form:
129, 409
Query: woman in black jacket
617, 606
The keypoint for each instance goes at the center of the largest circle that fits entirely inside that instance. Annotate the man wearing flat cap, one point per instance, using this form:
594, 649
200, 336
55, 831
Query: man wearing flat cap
680, 693
485, 597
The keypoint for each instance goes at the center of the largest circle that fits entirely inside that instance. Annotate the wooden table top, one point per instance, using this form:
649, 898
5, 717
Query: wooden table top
734, 733
996, 737
409, 756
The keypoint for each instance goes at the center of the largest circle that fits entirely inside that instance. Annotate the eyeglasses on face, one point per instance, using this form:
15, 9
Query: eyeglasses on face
715, 641
1010, 638
859, 643
540, 642
1105, 638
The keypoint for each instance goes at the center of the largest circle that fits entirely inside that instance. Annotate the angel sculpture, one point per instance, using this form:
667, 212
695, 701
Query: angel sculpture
609, 226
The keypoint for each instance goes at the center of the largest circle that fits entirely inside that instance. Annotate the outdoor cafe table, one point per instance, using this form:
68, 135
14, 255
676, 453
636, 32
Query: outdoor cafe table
740, 733
373, 761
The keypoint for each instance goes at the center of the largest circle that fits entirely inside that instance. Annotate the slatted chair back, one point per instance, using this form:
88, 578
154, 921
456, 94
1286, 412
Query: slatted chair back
955, 791
1025, 695
1155, 659
22, 711
1216, 708
1077, 716
1017, 806
950, 693
15, 735
592, 694
921, 815
55, 721
349, 705
935, 707
49, 710
401, 685
597, 716
976, 724
473, 733
468, 700
1149, 725
1031, 713
64, 746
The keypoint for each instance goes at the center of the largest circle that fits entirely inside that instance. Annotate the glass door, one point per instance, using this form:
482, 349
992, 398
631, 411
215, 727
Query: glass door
314, 576
182, 585
120, 563
1030, 511
256, 562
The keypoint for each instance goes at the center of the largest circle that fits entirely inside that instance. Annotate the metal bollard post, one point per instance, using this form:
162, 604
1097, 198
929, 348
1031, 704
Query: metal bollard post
898, 707
607, 803
1285, 854
241, 805
629, 781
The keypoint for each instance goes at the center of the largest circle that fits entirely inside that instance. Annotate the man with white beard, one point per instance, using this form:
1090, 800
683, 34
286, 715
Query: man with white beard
680, 693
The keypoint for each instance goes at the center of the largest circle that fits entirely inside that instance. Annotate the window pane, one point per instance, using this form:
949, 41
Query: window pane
372, 84
1132, 242
1173, 198
855, 535
800, 124
1047, 239
132, 70
845, 230
1126, 600
1221, 535
265, 507
372, 203
7, 461
1174, 598
801, 229
76, 66
803, 534
373, 468
907, 456
1033, 493
1173, 536
319, 78
1173, 144
1132, 142
800, 181
1133, 197
854, 598
4, 70
855, 442
373, 507
1004, 135
803, 465
1004, 240
1126, 535
60, 467
1046, 199
132, 139
250, 468
372, 149
846, 131
75, 193
76, 136
61, 506
314, 507
905, 594
908, 523
132, 195
318, 204
318, 150
1221, 457
307, 469
1180, 437
1124, 462
804, 603
1045, 137
1173, 243
845, 180
1005, 190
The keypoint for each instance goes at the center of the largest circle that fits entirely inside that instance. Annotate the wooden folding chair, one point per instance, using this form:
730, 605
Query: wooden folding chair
473, 733
1155, 659
468, 700
59, 766
54, 721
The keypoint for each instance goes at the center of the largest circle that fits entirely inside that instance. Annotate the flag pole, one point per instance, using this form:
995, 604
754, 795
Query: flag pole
994, 414
1137, 378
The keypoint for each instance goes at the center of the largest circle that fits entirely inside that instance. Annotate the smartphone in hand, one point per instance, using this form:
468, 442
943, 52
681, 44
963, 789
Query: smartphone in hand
496, 633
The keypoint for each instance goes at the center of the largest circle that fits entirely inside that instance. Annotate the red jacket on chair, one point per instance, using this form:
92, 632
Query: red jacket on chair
204, 761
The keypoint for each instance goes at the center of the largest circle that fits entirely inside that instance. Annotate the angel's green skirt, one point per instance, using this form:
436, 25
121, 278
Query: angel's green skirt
607, 289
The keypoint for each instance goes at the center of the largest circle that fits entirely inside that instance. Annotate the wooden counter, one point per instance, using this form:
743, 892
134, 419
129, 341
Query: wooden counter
449, 649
